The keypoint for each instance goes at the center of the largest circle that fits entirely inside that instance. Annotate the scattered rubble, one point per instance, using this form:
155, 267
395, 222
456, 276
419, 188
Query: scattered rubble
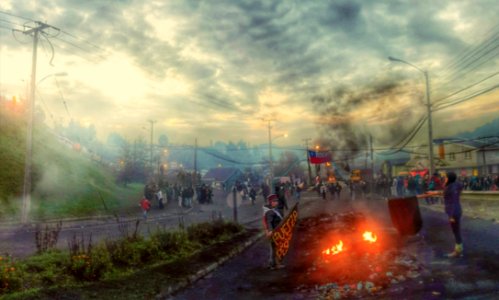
361, 269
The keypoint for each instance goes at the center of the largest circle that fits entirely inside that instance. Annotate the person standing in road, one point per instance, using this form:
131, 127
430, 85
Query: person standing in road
145, 204
452, 194
252, 195
271, 219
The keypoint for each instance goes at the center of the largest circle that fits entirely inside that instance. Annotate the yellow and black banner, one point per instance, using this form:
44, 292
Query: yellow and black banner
281, 236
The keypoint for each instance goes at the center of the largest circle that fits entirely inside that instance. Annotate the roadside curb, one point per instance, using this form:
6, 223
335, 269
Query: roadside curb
167, 293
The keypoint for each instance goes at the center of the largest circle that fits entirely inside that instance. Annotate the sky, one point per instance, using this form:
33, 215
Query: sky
225, 70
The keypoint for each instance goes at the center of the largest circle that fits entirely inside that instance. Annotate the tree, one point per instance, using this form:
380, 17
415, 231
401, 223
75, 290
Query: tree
289, 164
163, 140
133, 162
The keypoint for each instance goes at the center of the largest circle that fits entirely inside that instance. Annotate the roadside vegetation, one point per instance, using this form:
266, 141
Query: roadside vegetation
66, 181
131, 267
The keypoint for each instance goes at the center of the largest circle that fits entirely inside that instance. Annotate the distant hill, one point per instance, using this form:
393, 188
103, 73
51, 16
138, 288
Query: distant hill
66, 183
489, 129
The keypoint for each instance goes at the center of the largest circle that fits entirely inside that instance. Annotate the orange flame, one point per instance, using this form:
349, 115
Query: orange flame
334, 249
370, 237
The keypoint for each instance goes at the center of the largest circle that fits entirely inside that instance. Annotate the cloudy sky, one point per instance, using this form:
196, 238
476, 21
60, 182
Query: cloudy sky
220, 70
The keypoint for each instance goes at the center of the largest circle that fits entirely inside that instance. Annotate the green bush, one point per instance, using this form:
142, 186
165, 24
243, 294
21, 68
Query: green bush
10, 275
45, 269
111, 259
208, 232
171, 242
129, 252
90, 267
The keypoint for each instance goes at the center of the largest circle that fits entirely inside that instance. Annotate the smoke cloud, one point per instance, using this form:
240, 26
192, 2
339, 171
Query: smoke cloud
386, 110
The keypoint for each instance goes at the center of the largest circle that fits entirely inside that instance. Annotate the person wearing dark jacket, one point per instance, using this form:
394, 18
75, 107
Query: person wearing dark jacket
281, 196
452, 202
271, 219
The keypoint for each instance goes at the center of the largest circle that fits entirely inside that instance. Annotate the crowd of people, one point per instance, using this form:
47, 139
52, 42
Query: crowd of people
183, 196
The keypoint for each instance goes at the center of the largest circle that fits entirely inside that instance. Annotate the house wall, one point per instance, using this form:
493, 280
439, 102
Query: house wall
468, 161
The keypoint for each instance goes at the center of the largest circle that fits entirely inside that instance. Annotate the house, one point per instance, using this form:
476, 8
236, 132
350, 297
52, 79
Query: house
222, 178
474, 157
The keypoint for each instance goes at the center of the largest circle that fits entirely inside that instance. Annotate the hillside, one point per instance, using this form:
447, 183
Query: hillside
488, 129
66, 183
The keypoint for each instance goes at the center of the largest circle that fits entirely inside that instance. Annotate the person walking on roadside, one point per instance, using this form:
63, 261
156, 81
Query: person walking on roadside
271, 219
145, 204
252, 195
159, 195
452, 202
282, 201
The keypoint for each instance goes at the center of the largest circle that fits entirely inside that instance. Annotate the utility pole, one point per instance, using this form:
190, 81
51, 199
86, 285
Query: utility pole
271, 166
428, 107
430, 123
372, 164
308, 161
151, 146
29, 131
194, 180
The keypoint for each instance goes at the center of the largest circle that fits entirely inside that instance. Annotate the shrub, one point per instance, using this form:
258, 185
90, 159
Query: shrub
92, 266
209, 232
10, 275
171, 242
46, 239
45, 269
125, 253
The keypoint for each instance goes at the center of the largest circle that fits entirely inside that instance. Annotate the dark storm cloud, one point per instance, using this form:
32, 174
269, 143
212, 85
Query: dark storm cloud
328, 51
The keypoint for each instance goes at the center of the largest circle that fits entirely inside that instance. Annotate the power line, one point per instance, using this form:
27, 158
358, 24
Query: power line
468, 87
10, 22
469, 97
457, 72
83, 40
12, 15
471, 49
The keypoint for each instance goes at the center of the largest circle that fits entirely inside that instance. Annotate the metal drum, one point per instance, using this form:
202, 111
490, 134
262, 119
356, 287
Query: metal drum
405, 215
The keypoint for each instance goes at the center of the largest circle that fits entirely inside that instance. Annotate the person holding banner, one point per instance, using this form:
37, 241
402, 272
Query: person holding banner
271, 220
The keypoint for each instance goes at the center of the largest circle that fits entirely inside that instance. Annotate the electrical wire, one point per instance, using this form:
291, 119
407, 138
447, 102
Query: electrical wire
468, 87
471, 49
12, 15
457, 73
466, 98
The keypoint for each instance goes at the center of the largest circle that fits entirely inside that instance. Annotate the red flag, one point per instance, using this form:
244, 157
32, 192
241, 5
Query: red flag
319, 157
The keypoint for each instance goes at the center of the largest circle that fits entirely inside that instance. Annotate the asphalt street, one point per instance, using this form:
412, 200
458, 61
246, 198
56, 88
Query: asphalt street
474, 276
19, 240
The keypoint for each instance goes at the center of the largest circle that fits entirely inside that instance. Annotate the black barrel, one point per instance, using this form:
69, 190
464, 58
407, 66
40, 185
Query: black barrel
405, 215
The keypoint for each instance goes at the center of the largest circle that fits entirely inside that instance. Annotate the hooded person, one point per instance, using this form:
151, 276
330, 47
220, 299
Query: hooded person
452, 195
271, 219
452, 203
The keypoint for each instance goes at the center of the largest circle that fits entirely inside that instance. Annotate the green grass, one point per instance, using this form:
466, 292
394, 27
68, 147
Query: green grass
131, 273
66, 183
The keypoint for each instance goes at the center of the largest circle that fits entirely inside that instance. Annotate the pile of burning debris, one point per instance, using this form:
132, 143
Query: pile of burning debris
347, 258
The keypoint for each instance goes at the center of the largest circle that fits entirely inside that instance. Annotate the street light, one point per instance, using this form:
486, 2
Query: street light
51, 75
428, 107
29, 148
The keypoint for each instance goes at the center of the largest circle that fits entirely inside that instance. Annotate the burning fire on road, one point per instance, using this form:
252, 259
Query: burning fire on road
348, 258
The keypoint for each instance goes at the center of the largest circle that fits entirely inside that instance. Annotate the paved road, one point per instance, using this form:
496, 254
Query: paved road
245, 277
19, 241
475, 276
